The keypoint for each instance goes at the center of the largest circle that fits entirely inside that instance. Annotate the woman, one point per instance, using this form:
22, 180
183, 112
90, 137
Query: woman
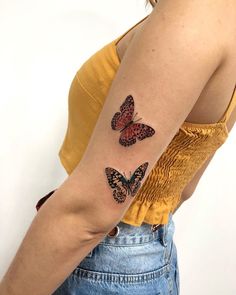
142, 129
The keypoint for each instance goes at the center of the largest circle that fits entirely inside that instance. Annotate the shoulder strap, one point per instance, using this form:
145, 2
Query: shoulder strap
230, 107
126, 32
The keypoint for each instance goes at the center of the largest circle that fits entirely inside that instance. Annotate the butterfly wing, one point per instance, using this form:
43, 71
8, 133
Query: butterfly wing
118, 183
122, 118
135, 180
135, 131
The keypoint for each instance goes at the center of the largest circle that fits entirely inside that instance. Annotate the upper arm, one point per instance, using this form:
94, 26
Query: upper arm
165, 68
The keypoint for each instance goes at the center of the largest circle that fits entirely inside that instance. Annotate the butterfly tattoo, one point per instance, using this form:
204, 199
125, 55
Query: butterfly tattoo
123, 187
129, 129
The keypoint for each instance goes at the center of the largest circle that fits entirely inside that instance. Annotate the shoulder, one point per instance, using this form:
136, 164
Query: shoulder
207, 24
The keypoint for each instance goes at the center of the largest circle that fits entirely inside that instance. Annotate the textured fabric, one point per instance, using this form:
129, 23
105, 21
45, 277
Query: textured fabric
152, 267
191, 146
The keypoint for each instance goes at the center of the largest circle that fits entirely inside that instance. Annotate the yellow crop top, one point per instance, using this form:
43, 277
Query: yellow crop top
189, 149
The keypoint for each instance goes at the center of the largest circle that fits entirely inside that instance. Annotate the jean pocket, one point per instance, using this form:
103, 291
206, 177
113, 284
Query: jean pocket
116, 277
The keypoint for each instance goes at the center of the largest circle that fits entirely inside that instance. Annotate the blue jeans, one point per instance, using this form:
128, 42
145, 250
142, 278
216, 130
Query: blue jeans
138, 260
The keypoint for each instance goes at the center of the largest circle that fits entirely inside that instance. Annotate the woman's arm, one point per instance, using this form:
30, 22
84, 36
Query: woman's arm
165, 68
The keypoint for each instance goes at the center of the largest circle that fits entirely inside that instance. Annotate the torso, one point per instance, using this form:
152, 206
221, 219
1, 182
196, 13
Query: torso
217, 93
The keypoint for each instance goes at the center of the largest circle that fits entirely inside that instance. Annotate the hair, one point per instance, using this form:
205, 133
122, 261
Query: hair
152, 2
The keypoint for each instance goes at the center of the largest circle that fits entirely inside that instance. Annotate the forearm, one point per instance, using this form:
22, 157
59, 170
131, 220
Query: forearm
75, 218
53, 246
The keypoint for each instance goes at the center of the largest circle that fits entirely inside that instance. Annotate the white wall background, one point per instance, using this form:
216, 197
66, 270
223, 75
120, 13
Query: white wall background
43, 43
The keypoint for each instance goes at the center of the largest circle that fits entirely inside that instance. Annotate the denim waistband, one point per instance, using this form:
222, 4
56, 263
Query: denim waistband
129, 234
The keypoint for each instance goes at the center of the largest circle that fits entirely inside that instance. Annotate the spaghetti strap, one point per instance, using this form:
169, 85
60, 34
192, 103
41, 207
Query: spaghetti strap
126, 32
230, 108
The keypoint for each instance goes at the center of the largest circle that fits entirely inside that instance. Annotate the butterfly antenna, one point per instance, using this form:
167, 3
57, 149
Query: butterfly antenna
135, 115
138, 119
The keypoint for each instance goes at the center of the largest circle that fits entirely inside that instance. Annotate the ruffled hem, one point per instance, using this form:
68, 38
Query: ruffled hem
150, 212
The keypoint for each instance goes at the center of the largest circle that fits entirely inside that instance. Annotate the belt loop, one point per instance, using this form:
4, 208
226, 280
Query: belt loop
164, 235
162, 232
